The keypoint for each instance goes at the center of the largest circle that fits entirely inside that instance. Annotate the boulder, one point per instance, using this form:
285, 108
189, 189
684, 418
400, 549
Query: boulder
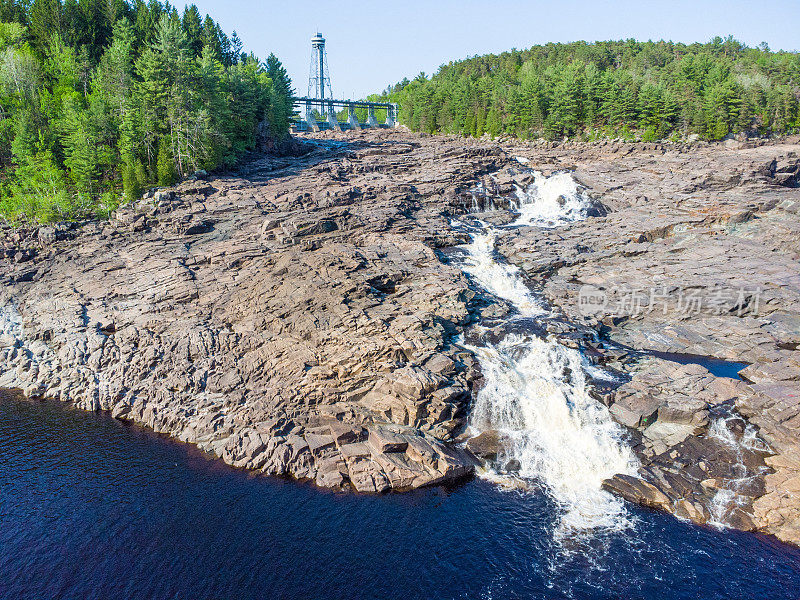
664, 434
332, 473
637, 490
635, 410
485, 445
685, 411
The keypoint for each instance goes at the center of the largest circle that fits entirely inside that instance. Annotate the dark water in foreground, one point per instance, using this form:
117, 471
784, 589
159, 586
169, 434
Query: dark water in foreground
92, 508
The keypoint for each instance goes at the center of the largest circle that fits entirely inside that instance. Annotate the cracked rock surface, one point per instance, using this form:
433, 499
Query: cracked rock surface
291, 318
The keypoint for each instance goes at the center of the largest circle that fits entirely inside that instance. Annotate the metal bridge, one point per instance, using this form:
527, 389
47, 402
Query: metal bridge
316, 111
327, 110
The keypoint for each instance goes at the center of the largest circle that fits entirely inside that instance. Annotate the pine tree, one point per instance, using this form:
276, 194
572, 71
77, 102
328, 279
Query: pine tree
145, 124
165, 165
46, 18
224, 47
211, 38
78, 138
113, 83
279, 109
565, 114
131, 186
193, 27
236, 48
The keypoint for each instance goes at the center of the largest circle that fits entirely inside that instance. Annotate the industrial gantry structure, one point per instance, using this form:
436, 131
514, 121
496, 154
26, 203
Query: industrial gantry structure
319, 99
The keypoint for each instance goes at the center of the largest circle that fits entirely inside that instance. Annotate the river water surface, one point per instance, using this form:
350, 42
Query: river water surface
93, 508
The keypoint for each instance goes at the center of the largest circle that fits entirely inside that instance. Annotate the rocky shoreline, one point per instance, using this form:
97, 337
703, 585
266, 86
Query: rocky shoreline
717, 224
299, 317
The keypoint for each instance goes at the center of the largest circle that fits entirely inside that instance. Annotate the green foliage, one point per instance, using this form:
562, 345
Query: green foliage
636, 90
38, 190
165, 166
11, 35
280, 103
107, 203
134, 179
100, 99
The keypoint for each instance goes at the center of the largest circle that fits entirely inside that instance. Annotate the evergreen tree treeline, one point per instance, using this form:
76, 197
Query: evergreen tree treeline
103, 97
649, 90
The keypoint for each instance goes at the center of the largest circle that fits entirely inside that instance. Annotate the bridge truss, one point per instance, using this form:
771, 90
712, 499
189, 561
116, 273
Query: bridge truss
327, 109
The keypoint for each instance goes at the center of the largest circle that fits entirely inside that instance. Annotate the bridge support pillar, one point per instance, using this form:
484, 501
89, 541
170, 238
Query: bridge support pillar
371, 120
333, 122
311, 122
315, 114
391, 116
352, 119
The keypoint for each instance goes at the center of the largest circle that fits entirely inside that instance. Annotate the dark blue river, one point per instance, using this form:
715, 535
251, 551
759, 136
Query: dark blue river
93, 508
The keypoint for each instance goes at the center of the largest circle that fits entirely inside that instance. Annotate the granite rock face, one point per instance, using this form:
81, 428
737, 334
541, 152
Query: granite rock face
299, 317
286, 318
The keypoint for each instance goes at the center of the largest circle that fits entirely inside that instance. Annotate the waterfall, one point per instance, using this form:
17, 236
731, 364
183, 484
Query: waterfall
535, 392
499, 278
552, 201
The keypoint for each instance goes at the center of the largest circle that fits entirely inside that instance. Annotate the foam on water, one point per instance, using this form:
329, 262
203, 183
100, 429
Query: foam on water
552, 201
535, 394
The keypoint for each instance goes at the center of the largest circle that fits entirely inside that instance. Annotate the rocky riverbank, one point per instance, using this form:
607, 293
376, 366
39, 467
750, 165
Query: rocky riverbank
697, 255
299, 317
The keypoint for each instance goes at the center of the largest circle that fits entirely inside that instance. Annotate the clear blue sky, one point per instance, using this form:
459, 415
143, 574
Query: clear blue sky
374, 44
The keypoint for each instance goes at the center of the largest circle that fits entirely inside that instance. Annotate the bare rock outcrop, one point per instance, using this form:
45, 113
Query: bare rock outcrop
697, 255
298, 317
286, 318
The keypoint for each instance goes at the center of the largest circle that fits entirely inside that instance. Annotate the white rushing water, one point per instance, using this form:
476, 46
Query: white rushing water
552, 201
728, 497
535, 391
499, 278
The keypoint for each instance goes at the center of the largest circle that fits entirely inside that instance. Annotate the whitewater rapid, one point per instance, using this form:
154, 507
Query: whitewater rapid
728, 496
552, 201
535, 391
